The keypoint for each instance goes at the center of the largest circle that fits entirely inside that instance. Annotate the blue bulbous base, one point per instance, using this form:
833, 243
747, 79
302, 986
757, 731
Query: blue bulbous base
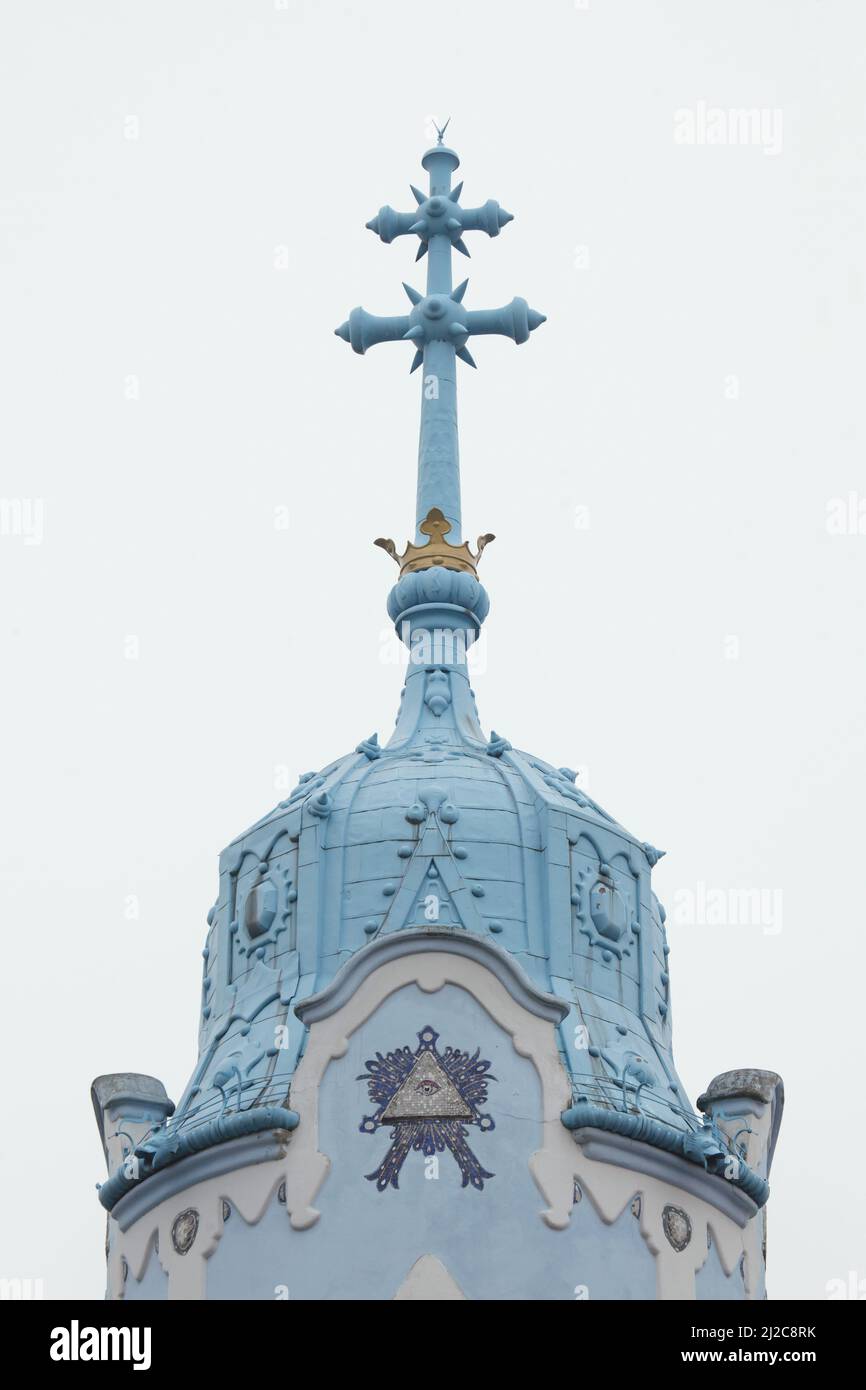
438, 586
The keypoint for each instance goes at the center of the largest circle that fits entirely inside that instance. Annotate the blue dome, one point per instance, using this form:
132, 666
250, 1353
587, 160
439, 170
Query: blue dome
444, 829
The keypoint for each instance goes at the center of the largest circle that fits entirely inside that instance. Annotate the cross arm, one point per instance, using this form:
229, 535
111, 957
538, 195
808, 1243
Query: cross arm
515, 320
442, 317
364, 330
440, 215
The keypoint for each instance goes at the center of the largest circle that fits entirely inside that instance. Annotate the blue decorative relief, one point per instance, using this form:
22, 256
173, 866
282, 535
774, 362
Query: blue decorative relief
427, 1099
604, 915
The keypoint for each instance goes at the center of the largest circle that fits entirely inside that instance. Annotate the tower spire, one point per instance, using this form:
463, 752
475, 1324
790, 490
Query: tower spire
438, 326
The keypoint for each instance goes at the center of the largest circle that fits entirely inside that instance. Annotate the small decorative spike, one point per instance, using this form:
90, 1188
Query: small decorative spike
457, 295
458, 330
373, 224
422, 251
454, 195
466, 356
415, 332
505, 217
343, 331
412, 293
370, 747
416, 361
460, 245
652, 854
454, 224
420, 226
416, 194
536, 319
497, 745
320, 805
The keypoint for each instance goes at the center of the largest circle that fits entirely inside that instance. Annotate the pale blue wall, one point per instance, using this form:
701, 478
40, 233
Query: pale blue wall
494, 1243
711, 1282
153, 1284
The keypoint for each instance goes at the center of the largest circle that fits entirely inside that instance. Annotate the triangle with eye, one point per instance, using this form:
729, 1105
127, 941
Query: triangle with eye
426, 1094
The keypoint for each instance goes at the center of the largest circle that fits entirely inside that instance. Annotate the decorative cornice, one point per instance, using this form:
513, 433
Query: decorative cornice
605, 1146
166, 1147
228, 1157
454, 942
586, 1116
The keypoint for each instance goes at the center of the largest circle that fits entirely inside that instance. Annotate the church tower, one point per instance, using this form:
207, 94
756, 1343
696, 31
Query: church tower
435, 1050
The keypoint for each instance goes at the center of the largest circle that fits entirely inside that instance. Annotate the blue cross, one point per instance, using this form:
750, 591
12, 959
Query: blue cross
438, 325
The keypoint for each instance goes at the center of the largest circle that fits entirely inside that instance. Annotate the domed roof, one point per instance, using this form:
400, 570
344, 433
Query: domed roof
441, 827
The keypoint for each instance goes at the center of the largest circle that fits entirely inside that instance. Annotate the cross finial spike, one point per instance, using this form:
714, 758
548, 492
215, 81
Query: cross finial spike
439, 328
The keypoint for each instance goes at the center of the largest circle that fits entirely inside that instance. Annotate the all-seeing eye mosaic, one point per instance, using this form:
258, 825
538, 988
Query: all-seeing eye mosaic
428, 1099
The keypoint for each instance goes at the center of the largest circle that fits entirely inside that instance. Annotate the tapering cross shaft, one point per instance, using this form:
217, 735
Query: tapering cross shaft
439, 440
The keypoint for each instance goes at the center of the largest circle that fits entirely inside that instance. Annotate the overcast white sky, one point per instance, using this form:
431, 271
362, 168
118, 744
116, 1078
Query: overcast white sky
678, 603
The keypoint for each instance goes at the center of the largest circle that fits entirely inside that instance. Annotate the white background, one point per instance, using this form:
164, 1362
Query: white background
168, 387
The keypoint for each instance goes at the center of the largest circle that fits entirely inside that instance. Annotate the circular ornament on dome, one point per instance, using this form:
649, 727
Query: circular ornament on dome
677, 1227
184, 1230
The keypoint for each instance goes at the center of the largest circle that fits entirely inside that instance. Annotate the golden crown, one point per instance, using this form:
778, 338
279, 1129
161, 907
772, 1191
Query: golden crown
436, 551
